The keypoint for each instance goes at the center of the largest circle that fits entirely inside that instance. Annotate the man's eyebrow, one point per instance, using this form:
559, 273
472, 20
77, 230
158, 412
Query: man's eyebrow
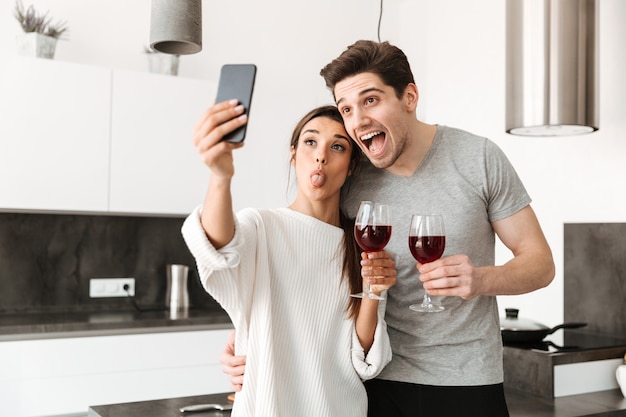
363, 93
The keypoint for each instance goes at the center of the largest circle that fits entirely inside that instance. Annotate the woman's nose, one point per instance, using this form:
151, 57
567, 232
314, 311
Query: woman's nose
320, 156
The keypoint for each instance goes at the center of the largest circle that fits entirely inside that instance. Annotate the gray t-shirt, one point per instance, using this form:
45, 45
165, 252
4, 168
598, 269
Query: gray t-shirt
468, 180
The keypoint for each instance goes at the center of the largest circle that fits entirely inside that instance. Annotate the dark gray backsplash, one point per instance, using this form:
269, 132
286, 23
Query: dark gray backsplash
595, 276
46, 261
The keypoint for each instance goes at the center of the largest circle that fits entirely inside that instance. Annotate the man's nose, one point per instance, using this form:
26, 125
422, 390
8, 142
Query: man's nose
359, 119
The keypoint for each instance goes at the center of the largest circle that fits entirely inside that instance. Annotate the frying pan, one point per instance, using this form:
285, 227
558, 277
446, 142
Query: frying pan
516, 330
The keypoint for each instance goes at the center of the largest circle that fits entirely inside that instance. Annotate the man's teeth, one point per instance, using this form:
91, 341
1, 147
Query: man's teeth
369, 135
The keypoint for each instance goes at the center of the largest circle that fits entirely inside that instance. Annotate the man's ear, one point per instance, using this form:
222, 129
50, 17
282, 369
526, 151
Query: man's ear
411, 96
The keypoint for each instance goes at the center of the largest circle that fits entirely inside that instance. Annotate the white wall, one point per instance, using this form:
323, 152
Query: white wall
571, 179
456, 48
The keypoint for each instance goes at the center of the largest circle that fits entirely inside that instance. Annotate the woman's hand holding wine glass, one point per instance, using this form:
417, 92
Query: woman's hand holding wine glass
379, 270
372, 230
427, 241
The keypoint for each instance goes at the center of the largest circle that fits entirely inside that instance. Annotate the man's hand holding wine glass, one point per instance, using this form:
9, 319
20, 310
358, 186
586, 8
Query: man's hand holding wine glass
453, 275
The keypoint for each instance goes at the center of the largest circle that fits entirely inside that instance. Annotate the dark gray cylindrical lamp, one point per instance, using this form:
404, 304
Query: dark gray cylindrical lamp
551, 67
176, 26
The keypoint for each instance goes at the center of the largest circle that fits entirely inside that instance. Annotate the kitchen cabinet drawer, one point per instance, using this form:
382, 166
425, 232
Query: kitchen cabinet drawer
54, 135
61, 376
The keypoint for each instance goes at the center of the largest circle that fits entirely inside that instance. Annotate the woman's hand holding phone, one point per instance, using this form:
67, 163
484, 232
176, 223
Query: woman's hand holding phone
218, 121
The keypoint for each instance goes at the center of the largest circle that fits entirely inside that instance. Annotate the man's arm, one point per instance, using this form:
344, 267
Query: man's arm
233, 366
531, 268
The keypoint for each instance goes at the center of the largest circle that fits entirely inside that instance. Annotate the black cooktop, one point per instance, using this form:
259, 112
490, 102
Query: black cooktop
569, 340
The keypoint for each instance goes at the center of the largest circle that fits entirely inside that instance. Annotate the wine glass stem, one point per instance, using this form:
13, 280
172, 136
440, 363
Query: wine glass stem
426, 300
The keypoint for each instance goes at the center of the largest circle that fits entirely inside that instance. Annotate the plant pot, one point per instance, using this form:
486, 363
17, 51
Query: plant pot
163, 63
36, 45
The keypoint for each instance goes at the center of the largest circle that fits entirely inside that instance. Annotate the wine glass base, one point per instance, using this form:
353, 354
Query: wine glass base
426, 308
371, 296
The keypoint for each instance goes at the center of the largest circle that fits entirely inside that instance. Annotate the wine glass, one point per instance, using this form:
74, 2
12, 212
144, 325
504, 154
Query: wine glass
372, 230
427, 241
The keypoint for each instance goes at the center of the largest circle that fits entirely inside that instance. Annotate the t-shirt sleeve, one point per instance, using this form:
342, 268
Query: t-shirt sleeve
507, 194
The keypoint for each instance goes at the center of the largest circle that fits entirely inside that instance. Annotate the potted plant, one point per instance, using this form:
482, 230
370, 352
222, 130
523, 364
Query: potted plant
40, 33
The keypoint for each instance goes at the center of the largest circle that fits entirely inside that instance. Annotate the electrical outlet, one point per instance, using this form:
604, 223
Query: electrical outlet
111, 287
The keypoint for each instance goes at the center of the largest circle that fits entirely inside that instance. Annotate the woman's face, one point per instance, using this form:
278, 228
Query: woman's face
322, 158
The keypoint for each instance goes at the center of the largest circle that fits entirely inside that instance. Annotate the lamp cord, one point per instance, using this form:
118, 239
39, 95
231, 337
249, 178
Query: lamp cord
380, 18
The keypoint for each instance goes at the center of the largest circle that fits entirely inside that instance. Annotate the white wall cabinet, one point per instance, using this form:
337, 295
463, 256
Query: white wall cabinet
154, 165
54, 135
82, 138
65, 376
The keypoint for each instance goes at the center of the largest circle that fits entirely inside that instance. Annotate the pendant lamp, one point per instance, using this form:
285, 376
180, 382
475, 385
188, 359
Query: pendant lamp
551, 67
176, 26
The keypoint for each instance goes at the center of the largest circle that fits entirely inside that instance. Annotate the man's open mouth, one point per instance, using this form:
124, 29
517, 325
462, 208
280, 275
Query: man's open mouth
374, 142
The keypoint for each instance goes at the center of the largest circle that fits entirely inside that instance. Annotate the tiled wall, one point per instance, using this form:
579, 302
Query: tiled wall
595, 276
46, 261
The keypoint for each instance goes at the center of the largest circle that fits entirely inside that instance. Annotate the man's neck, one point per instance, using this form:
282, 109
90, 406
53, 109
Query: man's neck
415, 151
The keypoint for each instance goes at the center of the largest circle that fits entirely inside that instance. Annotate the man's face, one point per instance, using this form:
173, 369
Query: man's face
374, 117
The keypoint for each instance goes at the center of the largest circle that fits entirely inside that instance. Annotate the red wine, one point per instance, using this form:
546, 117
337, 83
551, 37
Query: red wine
427, 248
372, 238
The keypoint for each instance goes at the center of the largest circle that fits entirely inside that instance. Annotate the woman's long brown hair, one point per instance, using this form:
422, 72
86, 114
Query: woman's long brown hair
351, 252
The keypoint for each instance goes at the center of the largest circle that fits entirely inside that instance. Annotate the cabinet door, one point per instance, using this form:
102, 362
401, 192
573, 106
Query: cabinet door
154, 165
54, 135
63, 376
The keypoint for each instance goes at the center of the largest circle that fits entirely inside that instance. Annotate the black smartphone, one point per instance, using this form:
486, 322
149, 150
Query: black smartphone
237, 82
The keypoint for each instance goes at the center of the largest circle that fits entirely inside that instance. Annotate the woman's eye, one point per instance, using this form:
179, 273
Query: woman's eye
338, 147
309, 142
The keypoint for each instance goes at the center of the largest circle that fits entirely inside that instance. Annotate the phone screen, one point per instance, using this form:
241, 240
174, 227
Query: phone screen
237, 82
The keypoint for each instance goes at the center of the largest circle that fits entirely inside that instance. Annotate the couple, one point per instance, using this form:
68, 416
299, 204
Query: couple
443, 364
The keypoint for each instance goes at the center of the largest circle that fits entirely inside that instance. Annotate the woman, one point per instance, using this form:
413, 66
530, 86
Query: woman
284, 275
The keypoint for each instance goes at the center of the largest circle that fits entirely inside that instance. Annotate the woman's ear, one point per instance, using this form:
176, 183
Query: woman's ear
293, 156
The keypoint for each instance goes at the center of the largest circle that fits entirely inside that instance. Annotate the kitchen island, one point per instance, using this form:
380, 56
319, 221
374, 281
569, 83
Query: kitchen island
167, 408
604, 403
609, 403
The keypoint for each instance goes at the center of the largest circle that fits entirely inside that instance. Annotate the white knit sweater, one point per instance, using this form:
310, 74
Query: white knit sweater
279, 279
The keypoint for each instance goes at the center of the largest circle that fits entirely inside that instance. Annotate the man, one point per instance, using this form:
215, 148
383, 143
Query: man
447, 363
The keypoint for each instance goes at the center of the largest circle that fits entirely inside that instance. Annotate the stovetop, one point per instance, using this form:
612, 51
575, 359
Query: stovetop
569, 340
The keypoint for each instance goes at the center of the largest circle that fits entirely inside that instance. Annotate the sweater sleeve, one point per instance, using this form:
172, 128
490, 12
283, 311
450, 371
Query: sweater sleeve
207, 257
227, 273
370, 365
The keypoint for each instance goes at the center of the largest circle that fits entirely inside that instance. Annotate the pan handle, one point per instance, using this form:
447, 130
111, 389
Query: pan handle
573, 325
